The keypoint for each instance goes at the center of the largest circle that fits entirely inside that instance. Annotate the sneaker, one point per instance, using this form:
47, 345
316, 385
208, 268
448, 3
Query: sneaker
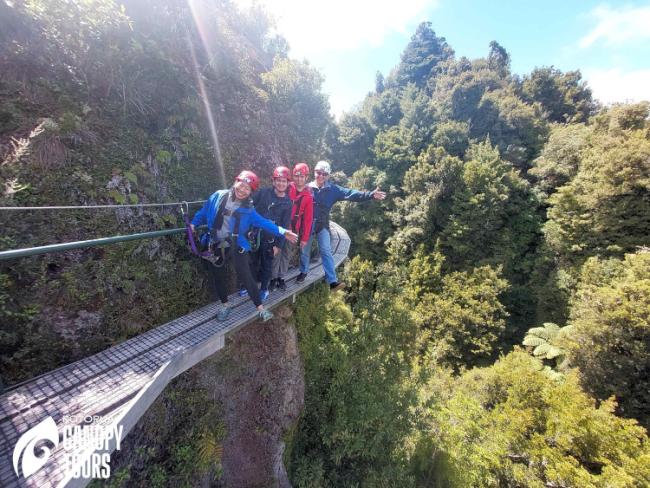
336, 286
243, 292
281, 284
301, 277
265, 315
264, 294
223, 312
273, 284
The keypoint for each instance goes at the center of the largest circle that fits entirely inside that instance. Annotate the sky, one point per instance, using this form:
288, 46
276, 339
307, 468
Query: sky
350, 40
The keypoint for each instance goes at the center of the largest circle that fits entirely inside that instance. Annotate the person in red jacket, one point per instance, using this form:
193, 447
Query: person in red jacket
302, 214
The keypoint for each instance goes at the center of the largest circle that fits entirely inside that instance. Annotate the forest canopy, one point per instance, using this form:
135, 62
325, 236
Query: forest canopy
496, 322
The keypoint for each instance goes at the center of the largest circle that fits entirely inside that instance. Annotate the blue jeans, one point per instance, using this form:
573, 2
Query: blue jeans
325, 253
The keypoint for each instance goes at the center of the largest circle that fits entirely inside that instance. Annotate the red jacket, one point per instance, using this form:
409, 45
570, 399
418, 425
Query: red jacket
302, 211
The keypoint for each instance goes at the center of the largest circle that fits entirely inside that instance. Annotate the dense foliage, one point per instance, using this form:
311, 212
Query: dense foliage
108, 102
518, 210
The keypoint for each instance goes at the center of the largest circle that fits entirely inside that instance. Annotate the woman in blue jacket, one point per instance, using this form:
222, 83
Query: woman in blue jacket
229, 217
326, 195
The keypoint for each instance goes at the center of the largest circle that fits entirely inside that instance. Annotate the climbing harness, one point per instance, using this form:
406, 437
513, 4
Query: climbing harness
297, 218
217, 248
207, 254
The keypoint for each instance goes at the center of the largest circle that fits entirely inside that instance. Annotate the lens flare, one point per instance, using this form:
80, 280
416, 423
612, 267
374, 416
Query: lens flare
201, 29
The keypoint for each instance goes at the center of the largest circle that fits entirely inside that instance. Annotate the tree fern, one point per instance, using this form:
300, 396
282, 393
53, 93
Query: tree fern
546, 342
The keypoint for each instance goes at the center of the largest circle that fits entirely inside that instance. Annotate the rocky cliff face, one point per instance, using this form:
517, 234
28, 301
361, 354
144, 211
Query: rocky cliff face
222, 423
260, 383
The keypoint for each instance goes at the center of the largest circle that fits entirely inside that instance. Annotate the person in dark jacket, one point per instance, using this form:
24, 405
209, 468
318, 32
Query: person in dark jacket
302, 211
229, 216
274, 204
326, 195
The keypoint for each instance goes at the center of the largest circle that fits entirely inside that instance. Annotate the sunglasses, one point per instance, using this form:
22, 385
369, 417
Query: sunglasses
321, 173
247, 181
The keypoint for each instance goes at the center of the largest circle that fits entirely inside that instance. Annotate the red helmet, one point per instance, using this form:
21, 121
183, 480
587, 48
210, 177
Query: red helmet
301, 169
282, 172
249, 178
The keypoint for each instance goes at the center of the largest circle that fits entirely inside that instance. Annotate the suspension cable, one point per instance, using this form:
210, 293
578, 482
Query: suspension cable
81, 207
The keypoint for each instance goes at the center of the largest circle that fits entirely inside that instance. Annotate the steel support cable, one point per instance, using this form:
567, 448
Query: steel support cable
32, 251
82, 207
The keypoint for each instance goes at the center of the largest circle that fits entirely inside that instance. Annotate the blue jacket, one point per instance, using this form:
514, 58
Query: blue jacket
248, 218
275, 208
326, 197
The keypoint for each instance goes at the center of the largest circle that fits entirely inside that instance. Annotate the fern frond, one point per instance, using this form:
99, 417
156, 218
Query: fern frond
541, 350
210, 449
550, 326
531, 340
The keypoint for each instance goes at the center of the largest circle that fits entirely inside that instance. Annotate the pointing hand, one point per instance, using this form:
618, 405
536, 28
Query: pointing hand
291, 237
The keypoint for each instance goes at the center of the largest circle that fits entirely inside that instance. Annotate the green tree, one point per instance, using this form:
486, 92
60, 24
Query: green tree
619, 118
297, 106
421, 57
499, 59
493, 215
460, 311
424, 210
394, 152
416, 116
379, 83
610, 343
559, 160
605, 209
564, 96
458, 90
362, 382
353, 146
517, 129
367, 224
383, 110
453, 136
512, 425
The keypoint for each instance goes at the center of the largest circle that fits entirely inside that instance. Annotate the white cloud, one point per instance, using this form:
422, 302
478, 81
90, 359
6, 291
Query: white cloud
617, 26
614, 85
314, 27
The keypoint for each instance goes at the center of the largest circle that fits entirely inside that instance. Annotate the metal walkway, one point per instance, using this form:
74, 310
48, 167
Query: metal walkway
118, 384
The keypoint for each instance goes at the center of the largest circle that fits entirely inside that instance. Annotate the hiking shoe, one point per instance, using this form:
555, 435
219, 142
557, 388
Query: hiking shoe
336, 286
243, 292
264, 294
265, 315
223, 313
301, 277
281, 284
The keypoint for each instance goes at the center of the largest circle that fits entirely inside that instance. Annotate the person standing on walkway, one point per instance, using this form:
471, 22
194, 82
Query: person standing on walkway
302, 211
326, 194
229, 216
274, 204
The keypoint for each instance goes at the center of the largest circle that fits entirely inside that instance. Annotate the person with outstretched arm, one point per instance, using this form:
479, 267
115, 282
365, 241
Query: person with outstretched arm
229, 216
326, 194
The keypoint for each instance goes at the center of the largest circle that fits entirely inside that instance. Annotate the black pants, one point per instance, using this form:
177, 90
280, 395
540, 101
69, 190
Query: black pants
266, 263
241, 262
